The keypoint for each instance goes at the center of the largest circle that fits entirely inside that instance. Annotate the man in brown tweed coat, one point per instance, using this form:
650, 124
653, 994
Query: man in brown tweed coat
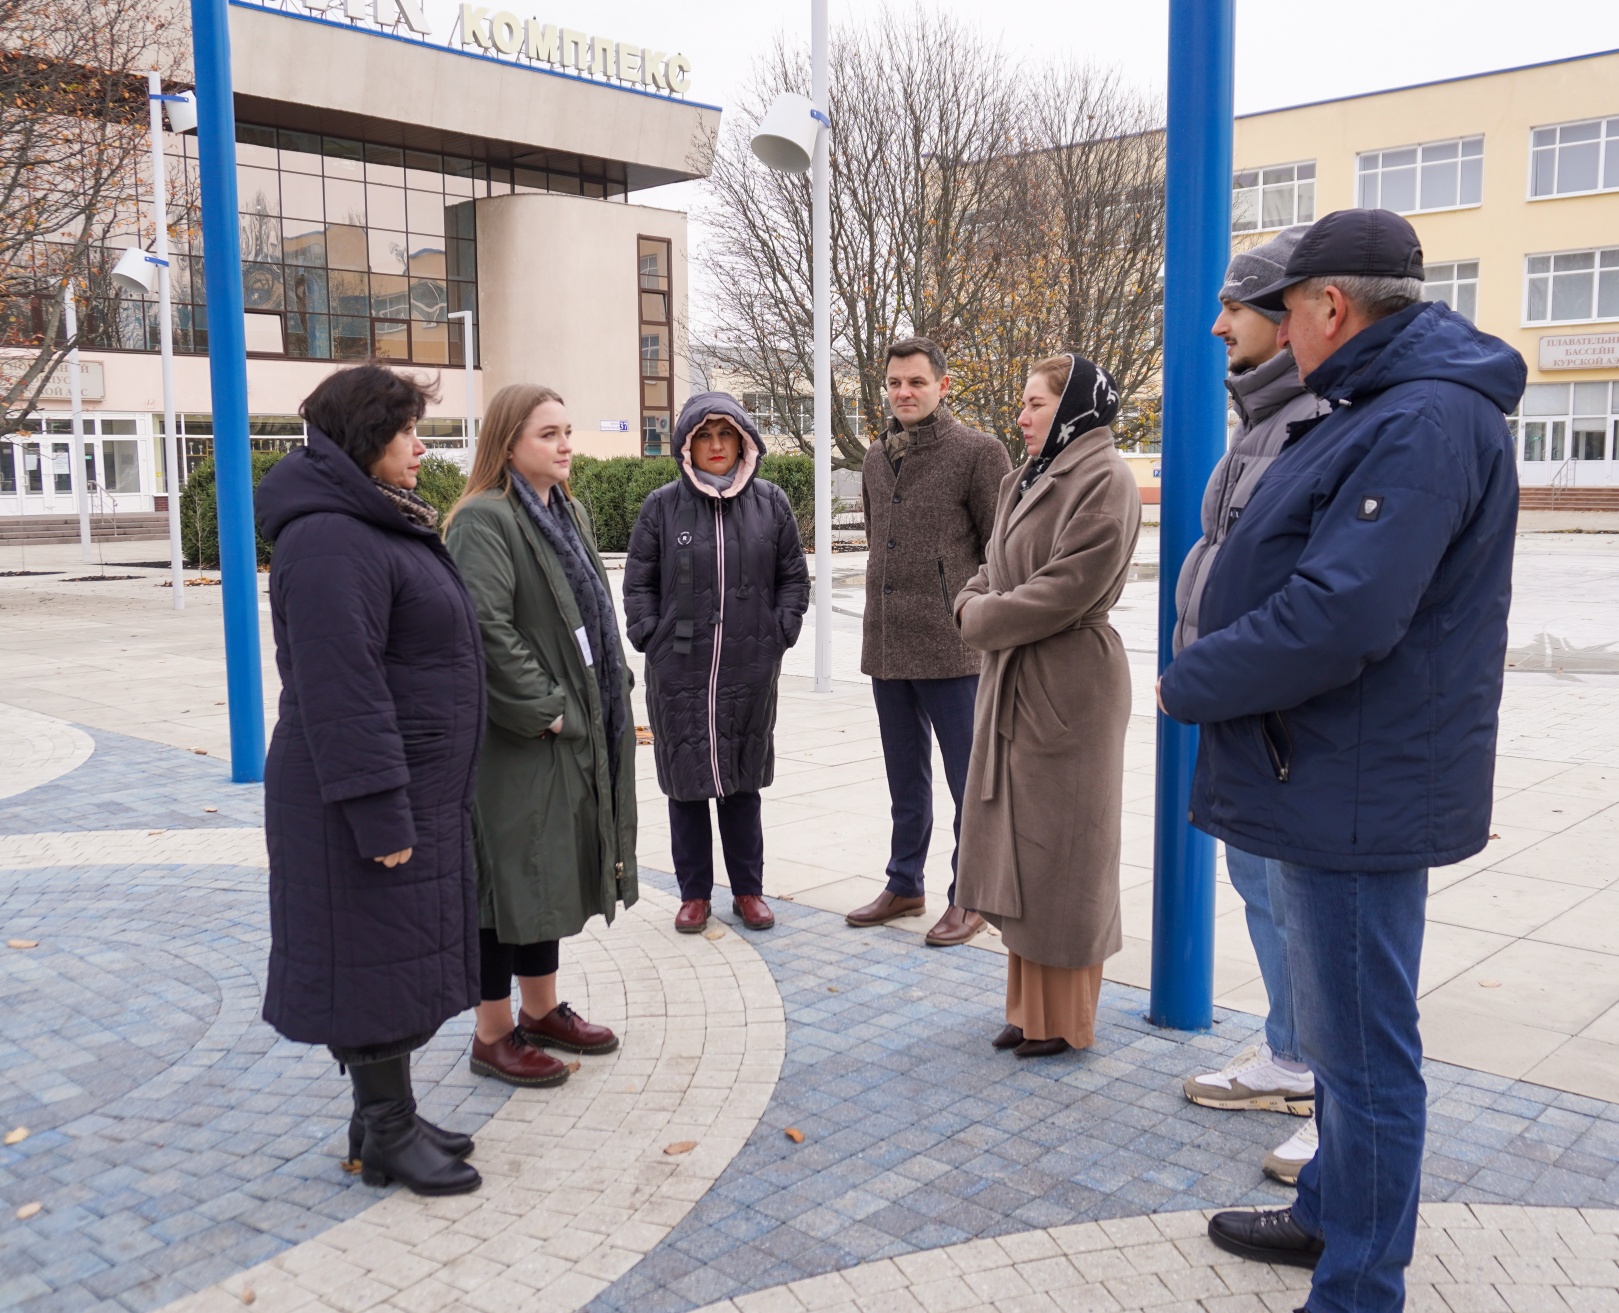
929, 486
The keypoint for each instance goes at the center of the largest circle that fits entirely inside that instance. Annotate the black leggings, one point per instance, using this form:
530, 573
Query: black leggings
498, 963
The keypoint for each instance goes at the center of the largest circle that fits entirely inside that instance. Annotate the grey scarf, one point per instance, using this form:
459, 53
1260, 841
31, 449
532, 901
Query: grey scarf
556, 525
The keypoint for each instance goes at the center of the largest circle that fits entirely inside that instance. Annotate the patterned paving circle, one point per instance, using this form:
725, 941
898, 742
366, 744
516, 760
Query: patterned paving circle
918, 1136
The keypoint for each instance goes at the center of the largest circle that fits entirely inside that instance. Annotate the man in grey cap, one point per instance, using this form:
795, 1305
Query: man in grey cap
1267, 395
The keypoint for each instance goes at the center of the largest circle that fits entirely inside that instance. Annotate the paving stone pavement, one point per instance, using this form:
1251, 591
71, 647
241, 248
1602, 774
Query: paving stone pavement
1469, 1259
918, 1135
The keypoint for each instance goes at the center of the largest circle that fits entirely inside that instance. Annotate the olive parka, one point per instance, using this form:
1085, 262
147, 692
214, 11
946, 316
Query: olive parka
554, 837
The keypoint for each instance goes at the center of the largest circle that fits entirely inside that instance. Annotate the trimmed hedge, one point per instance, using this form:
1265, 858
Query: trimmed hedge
438, 480
199, 513
613, 490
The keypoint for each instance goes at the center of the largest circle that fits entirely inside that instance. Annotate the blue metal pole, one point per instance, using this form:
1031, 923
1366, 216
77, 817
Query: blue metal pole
1198, 215
227, 372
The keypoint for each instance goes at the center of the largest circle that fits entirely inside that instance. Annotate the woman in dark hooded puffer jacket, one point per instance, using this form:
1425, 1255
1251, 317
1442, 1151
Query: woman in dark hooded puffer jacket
715, 591
369, 781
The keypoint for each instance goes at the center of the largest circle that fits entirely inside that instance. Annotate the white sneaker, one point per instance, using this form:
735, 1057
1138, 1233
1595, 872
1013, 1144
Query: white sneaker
1286, 1160
1253, 1080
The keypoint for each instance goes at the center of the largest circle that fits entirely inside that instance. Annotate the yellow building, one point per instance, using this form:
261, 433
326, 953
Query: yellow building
1511, 179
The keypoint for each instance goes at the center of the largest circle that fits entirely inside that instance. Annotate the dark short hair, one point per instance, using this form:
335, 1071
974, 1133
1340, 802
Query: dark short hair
362, 409
918, 346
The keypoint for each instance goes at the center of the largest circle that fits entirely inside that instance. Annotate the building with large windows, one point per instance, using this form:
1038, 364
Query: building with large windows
388, 178
1511, 179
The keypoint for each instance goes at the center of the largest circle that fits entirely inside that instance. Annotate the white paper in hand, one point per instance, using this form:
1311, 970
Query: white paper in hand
584, 645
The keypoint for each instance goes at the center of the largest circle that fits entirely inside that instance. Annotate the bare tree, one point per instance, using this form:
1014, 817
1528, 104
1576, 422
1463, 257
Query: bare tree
912, 115
73, 128
1005, 216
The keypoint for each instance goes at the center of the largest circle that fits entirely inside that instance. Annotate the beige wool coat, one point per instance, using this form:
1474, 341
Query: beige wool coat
1040, 819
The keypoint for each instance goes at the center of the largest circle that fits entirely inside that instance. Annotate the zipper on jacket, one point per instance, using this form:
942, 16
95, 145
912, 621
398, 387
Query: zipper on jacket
714, 665
944, 588
1279, 746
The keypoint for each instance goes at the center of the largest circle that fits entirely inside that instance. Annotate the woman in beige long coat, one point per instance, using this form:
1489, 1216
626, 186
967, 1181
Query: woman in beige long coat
1040, 820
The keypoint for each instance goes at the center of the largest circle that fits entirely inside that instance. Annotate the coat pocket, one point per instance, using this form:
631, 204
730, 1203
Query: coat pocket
944, 589
1278, 743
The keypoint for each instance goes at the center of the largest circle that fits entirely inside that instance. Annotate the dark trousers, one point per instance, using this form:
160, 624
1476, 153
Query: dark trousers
910, 712
742, 837
498, 963
1354, 943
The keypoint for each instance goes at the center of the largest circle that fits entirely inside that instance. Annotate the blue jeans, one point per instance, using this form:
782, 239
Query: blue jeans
1255, 879
1354, 945
909, 713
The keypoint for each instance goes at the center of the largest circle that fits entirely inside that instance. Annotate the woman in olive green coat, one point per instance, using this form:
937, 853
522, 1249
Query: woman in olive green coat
554, 815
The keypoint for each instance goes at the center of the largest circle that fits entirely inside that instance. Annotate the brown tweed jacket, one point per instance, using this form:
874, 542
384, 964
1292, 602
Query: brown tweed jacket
926, 529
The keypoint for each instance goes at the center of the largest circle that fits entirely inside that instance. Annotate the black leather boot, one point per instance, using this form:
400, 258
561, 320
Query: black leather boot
452, 1142
393, 1145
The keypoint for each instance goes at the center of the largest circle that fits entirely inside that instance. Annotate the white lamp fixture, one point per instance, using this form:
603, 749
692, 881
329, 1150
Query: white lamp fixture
135, 272
182, 111
785, 139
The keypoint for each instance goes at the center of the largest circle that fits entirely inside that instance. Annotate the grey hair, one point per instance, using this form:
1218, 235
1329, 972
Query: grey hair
1374, 297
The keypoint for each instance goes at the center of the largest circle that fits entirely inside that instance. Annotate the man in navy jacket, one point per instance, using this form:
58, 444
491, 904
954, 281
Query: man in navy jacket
1347, 682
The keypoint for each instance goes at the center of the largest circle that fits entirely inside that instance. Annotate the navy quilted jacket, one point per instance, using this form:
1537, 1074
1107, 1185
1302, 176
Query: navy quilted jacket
376, 748
1354, 625
715, 591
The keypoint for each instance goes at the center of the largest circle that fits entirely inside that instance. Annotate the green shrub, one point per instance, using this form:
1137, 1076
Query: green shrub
613, 490
199, 513
440, 481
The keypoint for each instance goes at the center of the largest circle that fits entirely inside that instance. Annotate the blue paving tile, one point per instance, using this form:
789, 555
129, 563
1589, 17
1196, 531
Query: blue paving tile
915, 1143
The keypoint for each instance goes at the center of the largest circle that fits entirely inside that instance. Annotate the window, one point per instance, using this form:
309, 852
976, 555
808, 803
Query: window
1573, 158
656, 343
1456, 285
1439, 175
1567, 421
1274, 197
1571, 287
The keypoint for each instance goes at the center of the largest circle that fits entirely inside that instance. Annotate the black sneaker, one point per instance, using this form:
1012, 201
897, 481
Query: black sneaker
1271, 1236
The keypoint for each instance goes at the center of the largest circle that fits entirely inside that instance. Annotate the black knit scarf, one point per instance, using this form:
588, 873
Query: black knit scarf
1089, 401
556, 525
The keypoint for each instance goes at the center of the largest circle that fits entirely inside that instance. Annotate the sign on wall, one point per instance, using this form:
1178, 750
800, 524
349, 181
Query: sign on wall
92, 380
491, 30
1581, 351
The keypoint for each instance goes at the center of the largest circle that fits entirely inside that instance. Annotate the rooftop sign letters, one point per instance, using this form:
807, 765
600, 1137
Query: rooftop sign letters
500, 32
1582, 351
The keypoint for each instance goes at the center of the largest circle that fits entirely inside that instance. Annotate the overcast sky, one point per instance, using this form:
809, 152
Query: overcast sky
1287, 53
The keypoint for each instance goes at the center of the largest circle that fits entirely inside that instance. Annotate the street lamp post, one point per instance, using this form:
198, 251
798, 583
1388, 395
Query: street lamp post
465, 316
795, 137
1198, 245
75, 465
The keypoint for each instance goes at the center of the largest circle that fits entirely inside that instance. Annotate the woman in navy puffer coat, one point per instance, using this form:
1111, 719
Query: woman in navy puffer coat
715, 591
369, 781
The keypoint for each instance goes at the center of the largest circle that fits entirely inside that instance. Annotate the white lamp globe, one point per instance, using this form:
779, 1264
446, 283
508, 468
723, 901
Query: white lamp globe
182, 112
134, 272
785, 139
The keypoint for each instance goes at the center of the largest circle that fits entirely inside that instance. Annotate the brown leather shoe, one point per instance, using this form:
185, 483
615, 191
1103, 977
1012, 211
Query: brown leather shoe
754, 911
886, 907
563, 1028
956, 926
515, 1062
692, 918
1041, 1048
1009, 1038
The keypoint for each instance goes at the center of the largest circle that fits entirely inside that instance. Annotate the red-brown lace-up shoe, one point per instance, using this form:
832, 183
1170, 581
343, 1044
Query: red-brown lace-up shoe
692, 918
516, 1063
563, 1028
754, 911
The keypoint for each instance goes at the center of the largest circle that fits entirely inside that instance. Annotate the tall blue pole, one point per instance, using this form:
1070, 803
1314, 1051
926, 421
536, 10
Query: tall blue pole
1198, 215
227, 373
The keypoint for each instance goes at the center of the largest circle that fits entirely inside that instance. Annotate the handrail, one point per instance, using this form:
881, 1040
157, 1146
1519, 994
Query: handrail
1562, 479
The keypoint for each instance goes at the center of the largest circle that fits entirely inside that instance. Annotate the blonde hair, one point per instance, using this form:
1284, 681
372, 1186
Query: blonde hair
503, 419
1054, 371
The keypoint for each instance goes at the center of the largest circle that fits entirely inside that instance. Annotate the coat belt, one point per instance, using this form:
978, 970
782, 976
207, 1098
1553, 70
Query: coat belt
1002, 689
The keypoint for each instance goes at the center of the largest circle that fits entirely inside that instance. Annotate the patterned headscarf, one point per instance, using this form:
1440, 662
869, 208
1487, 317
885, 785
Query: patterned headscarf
1089, 401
